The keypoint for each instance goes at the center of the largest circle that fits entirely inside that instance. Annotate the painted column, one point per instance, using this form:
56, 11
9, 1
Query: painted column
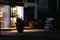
7, 17
35, 15
57, 5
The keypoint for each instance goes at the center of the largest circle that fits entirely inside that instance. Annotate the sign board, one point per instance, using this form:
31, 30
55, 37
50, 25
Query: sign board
50, 19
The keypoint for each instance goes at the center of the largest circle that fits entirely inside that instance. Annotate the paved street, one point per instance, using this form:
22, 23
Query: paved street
32, 36
10, 35
11, 32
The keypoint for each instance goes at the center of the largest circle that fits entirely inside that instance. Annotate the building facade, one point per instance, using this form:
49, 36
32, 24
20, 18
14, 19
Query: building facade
10, 9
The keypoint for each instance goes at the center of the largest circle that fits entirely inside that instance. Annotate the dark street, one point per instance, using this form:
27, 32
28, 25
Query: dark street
31, 36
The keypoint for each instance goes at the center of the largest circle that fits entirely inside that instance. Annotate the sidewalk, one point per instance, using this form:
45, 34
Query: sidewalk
11, 32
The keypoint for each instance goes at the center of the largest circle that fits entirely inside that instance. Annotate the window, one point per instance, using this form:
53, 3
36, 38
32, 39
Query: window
13, 0
5, 0
31, 1
19, 0
16, 11
24, 0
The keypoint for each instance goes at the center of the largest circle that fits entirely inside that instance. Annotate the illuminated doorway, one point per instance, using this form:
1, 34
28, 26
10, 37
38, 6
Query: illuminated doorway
8, 15
17, 11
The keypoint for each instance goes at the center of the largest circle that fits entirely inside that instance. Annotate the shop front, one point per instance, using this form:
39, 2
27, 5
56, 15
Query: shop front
10, 10
8, 15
